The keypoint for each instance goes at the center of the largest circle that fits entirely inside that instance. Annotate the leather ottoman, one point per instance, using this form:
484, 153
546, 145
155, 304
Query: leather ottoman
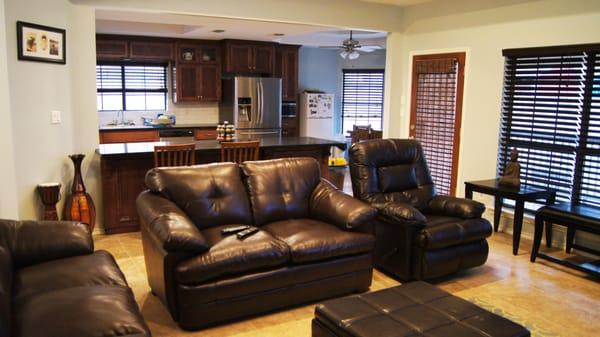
412, 309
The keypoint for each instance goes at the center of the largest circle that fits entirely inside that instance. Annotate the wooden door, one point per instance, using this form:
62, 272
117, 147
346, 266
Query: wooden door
210, 83
264, 60
289, 73
239, 58
436, 109
188, 82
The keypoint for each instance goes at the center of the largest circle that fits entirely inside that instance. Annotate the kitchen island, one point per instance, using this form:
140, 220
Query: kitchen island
124, 167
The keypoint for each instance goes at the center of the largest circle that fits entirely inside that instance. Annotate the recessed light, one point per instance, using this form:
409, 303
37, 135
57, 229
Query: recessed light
219, 31
279, 34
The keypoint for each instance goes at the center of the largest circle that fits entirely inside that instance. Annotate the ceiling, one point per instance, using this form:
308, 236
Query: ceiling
400, 3
201, 27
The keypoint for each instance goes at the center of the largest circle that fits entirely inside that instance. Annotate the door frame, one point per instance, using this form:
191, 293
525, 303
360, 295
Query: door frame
460, 79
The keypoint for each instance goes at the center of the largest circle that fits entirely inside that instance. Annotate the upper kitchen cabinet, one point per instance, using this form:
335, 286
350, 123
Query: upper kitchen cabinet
151, 50
249, 57
110, 48
132, 48
287, 69
197, 73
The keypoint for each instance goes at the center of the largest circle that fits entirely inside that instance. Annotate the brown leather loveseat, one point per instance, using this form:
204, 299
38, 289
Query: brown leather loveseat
310, 245
53, 284
419, 234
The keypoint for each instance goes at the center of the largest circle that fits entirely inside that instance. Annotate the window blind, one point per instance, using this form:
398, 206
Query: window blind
362, 98
433, 120
127, 86
550, 113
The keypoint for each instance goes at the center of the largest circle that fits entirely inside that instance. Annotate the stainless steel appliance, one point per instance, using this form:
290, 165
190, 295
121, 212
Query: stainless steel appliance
176, 135
252, 104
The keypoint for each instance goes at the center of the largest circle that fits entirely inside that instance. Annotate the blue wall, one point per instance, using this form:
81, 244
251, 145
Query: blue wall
322, 69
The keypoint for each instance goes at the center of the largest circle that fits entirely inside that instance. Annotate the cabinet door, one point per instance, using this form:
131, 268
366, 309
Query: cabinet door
264, 60
150, 50
187, 53
188, 83
239, 58
111, 49
289, 74
210, 83
209, 53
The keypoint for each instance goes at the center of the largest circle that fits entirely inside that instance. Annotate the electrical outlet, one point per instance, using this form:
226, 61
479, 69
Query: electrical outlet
55, 116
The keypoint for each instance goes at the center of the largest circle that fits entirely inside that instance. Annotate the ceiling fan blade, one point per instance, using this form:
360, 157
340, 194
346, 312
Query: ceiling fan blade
331, 47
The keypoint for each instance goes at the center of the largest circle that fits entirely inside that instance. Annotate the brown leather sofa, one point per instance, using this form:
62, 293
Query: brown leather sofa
311, 244
53, 284
419, 235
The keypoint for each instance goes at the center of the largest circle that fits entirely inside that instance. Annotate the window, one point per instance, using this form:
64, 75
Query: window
362, 98
551, 114
131, 86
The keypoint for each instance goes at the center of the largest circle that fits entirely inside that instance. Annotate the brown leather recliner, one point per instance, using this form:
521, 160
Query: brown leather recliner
53, 284
419, 235
311, 244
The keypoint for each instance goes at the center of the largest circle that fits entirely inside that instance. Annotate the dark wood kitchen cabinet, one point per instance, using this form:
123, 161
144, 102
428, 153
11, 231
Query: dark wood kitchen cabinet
249, 57
151, 50
287, 69
111, 48
197, 73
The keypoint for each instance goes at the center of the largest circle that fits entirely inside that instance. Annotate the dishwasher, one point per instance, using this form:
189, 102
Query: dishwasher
179, 135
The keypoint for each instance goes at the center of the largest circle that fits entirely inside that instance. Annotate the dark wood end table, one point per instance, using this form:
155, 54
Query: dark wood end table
520, 195
575, 218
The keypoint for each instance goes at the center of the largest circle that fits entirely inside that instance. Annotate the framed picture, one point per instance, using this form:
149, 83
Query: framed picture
41, 43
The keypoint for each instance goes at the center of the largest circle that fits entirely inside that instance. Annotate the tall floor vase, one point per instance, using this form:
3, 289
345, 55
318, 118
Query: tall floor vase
79, 205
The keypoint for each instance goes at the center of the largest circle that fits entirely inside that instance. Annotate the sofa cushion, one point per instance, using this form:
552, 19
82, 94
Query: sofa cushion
229, 256
280, 189
211, 195
397, 178
5, 290
442, 231
312, 240
80, 311
94, 269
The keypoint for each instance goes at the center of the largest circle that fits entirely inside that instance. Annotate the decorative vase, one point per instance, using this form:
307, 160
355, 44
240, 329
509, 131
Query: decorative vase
49, 195
79, 206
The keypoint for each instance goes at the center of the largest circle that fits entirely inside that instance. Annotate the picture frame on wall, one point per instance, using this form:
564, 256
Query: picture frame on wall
41, 43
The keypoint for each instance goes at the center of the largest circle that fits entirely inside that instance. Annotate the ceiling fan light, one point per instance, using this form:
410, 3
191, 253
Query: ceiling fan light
353, 55
344, 54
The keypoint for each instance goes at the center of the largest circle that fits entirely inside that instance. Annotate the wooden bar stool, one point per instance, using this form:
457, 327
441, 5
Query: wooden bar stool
174, 155
239, 152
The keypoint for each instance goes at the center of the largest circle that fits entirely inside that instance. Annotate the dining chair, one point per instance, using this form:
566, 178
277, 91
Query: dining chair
239, 152
174, 155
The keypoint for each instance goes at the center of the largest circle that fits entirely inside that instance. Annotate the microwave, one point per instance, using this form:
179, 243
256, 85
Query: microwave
288, 109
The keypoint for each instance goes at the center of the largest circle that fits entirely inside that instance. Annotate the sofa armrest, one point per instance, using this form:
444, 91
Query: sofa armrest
399, 212
170, 226
456, 207
33, 242
331, 205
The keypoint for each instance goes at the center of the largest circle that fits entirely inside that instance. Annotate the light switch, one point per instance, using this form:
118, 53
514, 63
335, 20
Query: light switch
55, 117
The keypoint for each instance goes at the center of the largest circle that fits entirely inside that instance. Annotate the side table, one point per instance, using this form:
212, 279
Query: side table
520, 195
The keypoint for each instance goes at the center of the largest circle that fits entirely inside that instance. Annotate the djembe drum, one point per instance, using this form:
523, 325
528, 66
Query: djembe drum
50, 196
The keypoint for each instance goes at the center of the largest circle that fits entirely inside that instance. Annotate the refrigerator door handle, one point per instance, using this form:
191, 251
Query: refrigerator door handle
261, 102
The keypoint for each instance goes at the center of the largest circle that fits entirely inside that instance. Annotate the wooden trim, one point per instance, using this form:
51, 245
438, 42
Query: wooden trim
552, 50
461, 58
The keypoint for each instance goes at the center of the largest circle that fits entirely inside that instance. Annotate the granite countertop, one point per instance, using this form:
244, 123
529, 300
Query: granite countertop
265, 142
155, 127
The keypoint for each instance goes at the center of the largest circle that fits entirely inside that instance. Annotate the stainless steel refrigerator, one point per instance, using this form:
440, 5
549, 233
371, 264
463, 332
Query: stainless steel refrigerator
252, 104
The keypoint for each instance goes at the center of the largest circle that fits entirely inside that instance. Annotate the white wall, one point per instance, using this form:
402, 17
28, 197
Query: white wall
40, 149
8, 192
482, 32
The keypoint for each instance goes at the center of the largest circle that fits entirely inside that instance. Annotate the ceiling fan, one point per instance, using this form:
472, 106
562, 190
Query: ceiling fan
350, 48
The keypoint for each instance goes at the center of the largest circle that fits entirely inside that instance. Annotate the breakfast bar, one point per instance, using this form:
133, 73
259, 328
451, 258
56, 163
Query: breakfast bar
124, 167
